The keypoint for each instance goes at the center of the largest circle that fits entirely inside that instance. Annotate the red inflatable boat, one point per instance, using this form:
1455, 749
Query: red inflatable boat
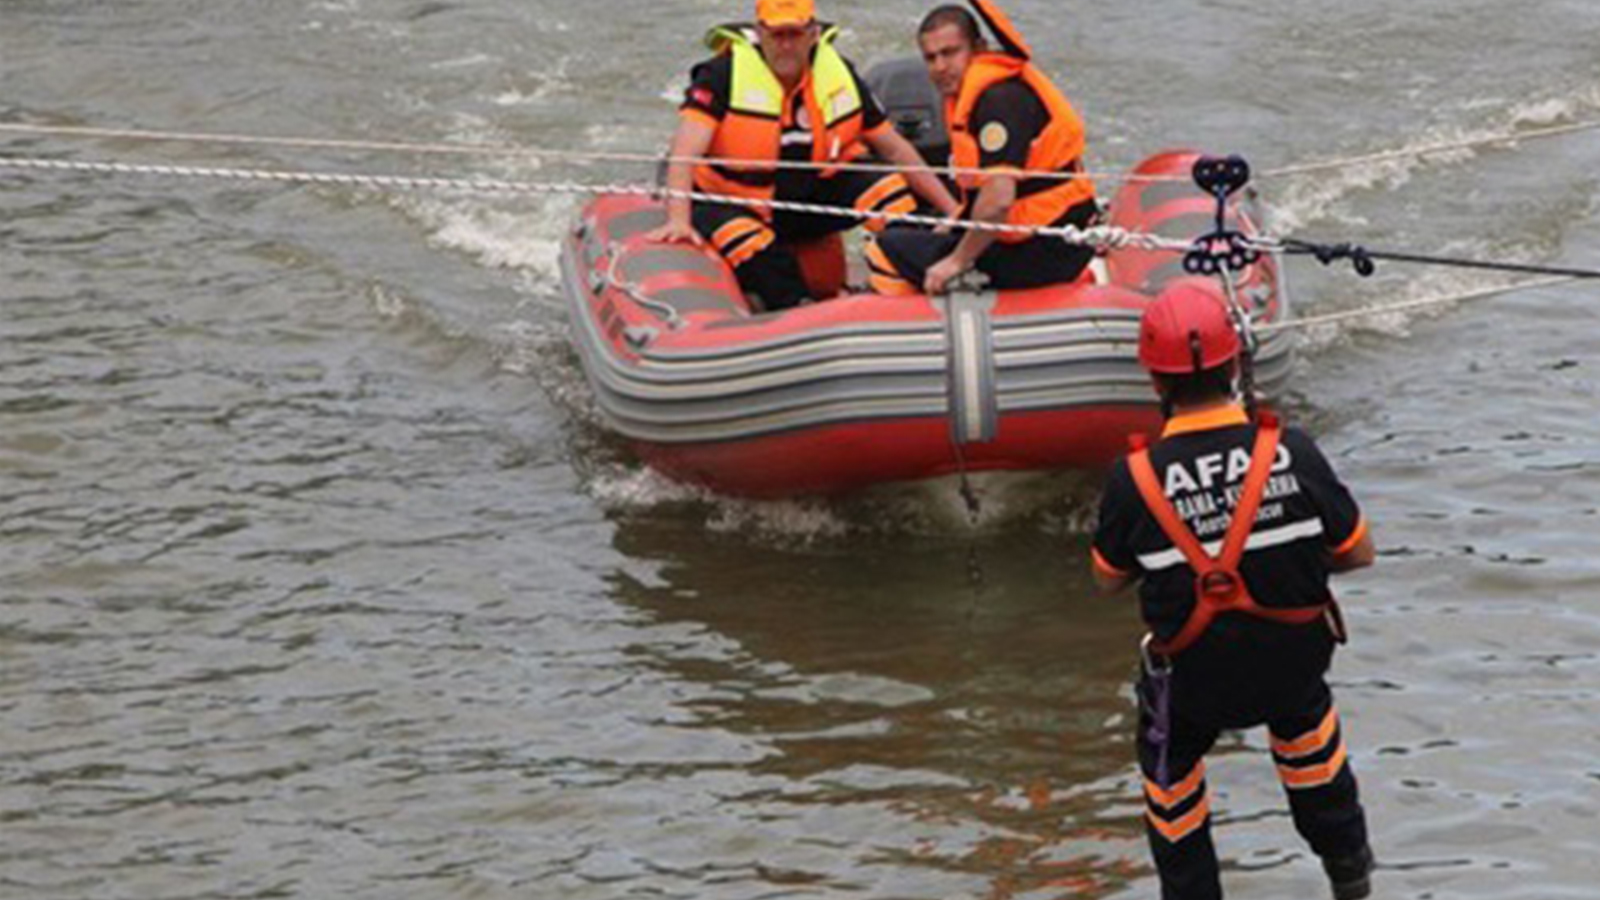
864, 389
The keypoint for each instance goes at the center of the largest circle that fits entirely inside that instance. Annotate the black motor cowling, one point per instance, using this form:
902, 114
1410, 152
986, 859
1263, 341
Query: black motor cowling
913, 105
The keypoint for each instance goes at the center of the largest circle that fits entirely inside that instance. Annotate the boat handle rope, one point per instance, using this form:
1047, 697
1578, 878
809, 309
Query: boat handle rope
636, 293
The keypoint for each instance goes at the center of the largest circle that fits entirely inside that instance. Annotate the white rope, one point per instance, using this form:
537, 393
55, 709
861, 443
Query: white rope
1106, 236
1100, 236
535, 153
1350, 162
1382, 309
587, 156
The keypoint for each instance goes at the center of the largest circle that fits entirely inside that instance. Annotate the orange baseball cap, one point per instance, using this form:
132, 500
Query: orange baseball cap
777, 13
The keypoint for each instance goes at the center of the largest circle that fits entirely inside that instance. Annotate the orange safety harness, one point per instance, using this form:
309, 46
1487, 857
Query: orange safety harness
1218, 586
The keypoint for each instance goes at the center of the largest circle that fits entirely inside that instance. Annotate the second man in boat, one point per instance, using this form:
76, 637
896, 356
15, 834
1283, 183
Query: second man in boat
1017, 148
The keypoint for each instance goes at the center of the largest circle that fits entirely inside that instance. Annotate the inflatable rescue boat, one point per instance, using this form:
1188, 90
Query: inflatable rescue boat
863, 389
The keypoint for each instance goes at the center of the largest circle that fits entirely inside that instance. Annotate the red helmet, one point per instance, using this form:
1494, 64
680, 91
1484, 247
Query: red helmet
1187, 328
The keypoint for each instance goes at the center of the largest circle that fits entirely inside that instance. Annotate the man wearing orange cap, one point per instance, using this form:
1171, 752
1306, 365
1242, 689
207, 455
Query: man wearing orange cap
1231, 528
780, 92
1017, 144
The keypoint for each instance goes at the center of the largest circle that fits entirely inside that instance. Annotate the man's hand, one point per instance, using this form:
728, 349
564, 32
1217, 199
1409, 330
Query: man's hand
941, 273
692, 140
675, 232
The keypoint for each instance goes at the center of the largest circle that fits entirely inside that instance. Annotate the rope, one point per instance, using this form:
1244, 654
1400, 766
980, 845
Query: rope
585, 156
1350, 162
1362, 258
1409, 305
1098, 236
536, 153
1247, 341
1102, 236
666, 311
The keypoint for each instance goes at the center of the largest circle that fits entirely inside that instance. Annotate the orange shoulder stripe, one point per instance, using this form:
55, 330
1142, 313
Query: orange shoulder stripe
1354, 538
1105, 568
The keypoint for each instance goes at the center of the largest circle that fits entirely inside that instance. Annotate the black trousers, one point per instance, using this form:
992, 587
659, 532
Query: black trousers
1308, 748
908, 252
757, 245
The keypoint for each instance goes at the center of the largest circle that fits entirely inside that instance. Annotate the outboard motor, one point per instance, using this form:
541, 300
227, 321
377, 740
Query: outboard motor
913, 105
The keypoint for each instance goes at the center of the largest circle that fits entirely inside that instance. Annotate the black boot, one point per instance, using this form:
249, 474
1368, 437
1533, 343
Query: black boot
1351, 876
774, 275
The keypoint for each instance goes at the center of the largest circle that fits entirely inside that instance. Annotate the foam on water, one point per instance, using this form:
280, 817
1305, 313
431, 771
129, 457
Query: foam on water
504, 238
539, 85
1296, 201
1049, 502
1338, 201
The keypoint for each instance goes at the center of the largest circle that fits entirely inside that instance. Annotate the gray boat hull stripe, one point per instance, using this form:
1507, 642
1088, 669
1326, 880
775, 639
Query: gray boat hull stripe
969, 370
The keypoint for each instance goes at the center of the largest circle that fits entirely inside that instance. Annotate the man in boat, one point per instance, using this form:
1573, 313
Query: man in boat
1243, 638
786, 95
1020, 144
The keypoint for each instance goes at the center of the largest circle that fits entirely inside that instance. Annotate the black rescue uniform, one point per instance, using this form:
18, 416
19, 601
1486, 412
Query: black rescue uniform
1007, 118
755, 245
1243, 670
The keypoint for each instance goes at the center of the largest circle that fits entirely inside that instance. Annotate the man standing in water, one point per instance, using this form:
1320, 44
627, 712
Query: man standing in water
1005, 119
786, 95
1243, 638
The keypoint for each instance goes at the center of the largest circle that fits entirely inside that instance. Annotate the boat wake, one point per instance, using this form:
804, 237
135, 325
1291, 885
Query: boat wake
1056, 503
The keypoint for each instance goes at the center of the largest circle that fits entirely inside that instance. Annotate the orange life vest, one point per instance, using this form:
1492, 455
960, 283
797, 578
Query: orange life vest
758, 107
1059, 148
1218, 586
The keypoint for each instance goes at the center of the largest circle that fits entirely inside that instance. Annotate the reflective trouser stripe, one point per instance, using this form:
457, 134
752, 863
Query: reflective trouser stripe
1183, 826
882, 275
1299, 778
1310, 742
891, 195
1169, 798
741, 239
1312, 759
1162, 805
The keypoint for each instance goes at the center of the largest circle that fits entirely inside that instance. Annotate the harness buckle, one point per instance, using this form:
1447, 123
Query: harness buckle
1219, 586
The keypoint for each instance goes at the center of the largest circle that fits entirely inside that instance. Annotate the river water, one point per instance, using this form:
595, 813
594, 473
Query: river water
318, 579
